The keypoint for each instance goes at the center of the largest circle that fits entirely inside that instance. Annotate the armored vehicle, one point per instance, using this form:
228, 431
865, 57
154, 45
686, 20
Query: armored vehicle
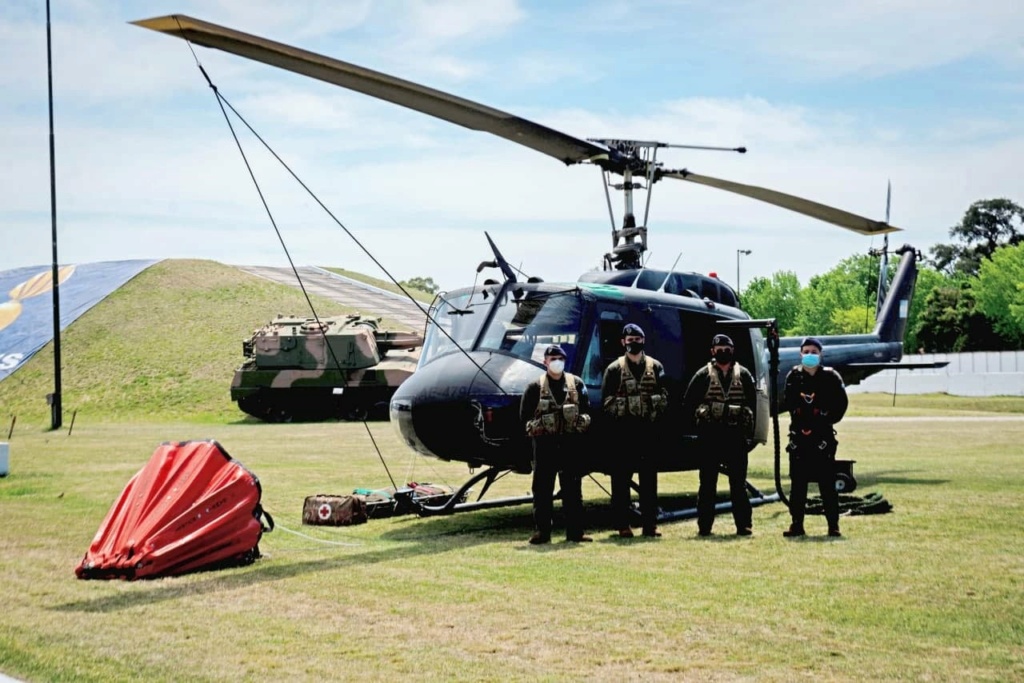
298, 369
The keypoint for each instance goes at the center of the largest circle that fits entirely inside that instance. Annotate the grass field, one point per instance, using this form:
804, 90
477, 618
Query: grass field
931, 591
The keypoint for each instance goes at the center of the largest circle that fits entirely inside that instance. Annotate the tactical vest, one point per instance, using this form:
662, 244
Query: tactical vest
807, 415
643, 399
551, 418
723, 406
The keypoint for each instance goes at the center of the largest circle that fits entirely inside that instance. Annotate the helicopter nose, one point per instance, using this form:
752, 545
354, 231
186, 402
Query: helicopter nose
464, 408
401, 419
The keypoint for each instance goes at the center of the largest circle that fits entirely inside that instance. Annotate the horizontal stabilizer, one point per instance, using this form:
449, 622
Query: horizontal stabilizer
900, 366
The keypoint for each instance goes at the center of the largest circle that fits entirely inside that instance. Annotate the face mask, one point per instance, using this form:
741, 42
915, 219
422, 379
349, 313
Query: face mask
723, 356
556, 366
810, 360
635, 347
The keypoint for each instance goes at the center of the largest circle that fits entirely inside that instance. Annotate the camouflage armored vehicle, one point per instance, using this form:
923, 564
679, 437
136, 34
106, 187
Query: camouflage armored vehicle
344, 367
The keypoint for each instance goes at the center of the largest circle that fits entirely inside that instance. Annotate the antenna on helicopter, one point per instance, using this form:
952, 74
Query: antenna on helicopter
669, 273
632, 158
640, 270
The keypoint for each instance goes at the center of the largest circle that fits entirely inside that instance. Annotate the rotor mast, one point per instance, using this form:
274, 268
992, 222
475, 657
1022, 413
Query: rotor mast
634, 158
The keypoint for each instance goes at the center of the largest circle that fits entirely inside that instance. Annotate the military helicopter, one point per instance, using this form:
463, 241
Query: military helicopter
484, 343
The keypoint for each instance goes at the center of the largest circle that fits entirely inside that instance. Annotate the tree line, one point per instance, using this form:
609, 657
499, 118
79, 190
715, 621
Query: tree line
969, 294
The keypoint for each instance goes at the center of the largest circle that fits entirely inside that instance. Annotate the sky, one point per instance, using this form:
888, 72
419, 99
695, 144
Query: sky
833, 101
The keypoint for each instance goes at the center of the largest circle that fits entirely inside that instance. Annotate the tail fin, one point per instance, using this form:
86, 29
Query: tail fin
891, 324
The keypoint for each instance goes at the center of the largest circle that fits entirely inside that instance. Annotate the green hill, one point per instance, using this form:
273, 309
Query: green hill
386, 285
162, 347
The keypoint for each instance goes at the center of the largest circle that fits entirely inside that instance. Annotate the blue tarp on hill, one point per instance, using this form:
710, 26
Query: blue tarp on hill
26, 303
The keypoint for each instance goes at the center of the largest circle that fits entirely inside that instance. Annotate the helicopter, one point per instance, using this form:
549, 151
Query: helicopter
484, 343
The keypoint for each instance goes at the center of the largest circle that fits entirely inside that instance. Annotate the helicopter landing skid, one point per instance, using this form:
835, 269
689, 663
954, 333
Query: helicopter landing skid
488, 476
753, 494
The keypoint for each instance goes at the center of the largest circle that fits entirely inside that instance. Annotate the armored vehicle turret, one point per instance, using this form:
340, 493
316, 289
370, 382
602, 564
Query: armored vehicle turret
297, 369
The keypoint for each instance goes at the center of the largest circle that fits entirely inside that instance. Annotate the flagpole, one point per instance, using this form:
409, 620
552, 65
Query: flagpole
56, 413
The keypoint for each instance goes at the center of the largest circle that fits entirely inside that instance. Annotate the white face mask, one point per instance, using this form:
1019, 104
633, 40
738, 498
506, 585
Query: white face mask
556, 366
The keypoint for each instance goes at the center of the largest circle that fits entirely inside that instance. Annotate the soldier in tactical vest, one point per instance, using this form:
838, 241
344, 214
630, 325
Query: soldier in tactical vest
720, 400
554, 409
634, 398
816, 400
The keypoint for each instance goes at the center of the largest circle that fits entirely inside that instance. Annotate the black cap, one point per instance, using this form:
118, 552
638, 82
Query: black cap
554, 350
633, 330
722, 340
811, 341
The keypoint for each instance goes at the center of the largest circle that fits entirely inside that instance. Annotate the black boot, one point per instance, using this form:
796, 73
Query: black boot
794, 531
540, 538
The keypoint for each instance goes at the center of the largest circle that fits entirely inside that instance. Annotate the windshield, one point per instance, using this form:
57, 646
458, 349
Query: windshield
461, 314
524, 328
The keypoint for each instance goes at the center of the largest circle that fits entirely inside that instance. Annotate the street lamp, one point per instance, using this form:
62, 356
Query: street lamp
746, 252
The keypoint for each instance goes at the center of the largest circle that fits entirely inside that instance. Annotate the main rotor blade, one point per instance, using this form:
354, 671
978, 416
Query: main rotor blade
445, 106
829, 214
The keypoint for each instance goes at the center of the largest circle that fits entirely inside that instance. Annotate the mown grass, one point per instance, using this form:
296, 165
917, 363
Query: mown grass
166, 344
931, 591
933, 404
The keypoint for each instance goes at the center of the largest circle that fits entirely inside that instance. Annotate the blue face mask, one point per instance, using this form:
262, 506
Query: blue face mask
810, 360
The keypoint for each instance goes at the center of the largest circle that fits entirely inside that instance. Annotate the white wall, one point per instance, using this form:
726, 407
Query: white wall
983, 373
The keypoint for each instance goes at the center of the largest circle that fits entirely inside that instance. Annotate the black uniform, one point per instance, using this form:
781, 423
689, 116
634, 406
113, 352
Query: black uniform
635, 440
559, 454
815, 403
721, 442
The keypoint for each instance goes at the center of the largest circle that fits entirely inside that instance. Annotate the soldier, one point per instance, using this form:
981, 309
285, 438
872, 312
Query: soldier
816, 399
554, 409
720, 400
634, 398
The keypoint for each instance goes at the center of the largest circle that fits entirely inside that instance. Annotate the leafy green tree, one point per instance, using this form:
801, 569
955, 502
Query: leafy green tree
424, 284
827, 301
928, 280
863, 270
987, 225
999, 292
853, 320
952, 323
778, 297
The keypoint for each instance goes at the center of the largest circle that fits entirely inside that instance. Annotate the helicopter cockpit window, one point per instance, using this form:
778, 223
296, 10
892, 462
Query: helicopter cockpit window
605, 346
525, 327
461, 314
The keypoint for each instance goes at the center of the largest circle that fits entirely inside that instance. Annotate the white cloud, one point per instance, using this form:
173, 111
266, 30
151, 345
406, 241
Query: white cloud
147, 169
436, 207
877, 37
293, 19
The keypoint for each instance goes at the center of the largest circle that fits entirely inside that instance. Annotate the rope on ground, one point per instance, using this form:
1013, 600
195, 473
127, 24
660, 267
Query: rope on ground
312, 538
870, 504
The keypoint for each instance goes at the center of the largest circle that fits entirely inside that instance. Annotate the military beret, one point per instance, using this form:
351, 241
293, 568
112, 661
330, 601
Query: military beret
722, 340
632, 330
811, 341
554, 350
